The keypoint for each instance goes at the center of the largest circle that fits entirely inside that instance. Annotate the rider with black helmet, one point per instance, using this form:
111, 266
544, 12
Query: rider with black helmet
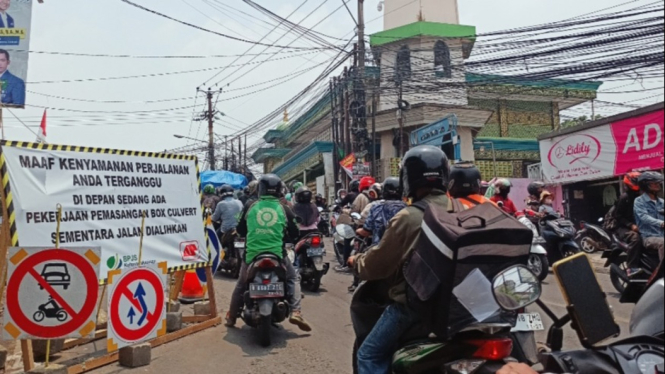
465, 184
649, 212
307, 211
424, 177
226, 214
354, 191
265, 223
320, 201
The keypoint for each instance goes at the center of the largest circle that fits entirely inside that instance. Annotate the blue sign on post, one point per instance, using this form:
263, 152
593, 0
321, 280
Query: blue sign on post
438, 134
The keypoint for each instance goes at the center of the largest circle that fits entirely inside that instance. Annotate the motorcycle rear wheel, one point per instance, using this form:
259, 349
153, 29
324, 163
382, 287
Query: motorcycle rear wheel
619, 277
264, 331
539, 265
62, 316
588, 245
315, 283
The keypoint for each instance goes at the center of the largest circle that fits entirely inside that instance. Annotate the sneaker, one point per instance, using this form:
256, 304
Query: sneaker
296, 319
343, 269
230, 322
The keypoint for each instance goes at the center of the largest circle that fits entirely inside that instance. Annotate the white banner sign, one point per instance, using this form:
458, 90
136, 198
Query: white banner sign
104, 195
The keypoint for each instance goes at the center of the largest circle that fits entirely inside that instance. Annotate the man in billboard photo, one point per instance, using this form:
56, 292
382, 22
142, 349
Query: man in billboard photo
6, 21
13, 87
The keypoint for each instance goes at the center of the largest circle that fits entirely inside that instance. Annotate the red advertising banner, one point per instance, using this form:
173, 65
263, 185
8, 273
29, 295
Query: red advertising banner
639, 143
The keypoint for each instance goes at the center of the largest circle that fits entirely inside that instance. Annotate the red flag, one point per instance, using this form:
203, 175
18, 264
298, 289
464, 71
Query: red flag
42, 129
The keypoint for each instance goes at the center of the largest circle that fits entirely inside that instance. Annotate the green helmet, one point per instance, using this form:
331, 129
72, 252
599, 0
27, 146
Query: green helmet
209, 189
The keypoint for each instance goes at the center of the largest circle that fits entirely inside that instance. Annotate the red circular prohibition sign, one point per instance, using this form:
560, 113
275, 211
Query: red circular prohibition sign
28, 267
124, 333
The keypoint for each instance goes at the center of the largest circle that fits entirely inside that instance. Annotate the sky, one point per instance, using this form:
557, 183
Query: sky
131, 119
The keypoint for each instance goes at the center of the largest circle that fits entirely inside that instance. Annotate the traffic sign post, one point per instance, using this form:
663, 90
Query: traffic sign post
51, 293
137, 305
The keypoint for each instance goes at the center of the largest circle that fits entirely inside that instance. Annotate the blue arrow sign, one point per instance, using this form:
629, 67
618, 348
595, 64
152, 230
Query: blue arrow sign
131, 315
140, 296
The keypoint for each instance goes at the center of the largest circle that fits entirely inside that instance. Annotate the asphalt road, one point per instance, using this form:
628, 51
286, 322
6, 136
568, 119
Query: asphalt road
326, 350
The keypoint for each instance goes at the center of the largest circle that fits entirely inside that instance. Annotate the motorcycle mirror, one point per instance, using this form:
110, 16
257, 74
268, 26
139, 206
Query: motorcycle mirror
356, 216
587, 303
516, 288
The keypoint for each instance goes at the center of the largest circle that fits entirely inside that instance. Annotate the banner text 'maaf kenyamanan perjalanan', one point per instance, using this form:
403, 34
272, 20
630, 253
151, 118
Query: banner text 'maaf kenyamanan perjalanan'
104, 194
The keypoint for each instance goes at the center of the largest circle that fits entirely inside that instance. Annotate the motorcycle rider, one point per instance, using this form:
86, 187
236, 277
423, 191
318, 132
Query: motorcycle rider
375, 194
226, 214
465, 184
320, 202
244, 196
424, 176
307, 211
621, 220
547, 204
500, 197
363, 198
265, 223
210, 198
535, 190
351, 195
649, 212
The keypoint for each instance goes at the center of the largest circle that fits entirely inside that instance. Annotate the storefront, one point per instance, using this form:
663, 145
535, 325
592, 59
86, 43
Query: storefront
589, 160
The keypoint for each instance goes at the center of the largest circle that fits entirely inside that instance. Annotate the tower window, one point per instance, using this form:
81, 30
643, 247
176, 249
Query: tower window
403, 64
442, 60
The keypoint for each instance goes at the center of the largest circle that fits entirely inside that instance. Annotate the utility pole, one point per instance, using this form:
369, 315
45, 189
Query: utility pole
361, 40
226, 152
210, 116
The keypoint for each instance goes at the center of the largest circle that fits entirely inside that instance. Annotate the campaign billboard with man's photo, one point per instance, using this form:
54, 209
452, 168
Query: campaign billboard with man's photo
15, 20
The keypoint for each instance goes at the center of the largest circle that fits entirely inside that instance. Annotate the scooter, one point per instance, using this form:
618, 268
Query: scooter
617, 260
593, 238
343, 233
265, 300
560, 244
480, 348
310, 252
538, 261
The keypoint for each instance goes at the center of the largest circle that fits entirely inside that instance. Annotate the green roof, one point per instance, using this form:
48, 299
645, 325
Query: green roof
487, 79
442, 30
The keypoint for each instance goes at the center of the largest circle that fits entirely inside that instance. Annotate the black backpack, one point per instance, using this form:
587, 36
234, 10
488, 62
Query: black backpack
454, 246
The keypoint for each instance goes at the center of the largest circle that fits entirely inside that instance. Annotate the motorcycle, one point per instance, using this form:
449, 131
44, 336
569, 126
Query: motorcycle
617, 260
480, 348
564, 245
309, 254
593, 320
265, 300
50, 310
343, 232
232, 260
593, 238
538, 260
324, 223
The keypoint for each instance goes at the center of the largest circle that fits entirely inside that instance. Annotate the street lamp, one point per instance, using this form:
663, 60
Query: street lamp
188, 138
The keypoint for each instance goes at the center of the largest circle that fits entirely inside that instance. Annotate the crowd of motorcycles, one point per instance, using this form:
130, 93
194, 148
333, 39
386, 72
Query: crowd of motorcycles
485, 348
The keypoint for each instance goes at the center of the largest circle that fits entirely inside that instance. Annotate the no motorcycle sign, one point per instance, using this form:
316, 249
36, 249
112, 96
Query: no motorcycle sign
51, 293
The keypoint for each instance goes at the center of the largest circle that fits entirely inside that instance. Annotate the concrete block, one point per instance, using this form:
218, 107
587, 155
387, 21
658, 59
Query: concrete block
202, 308
136, 355
3, 357
51, 369
39, 348
174, 308
173, 321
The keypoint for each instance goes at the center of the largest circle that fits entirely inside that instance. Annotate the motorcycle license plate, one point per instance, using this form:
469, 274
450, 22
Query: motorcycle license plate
315, 252
238, 245
258, 291
529, 322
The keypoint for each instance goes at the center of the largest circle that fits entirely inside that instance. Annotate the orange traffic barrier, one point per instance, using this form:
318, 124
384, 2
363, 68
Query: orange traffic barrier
192, 290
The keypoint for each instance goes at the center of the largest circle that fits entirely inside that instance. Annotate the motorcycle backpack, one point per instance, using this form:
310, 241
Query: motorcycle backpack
457, 256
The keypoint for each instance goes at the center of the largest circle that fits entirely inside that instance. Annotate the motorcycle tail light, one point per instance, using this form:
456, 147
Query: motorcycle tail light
582, 225
266, 263
266, 281
493, 349
316, 241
